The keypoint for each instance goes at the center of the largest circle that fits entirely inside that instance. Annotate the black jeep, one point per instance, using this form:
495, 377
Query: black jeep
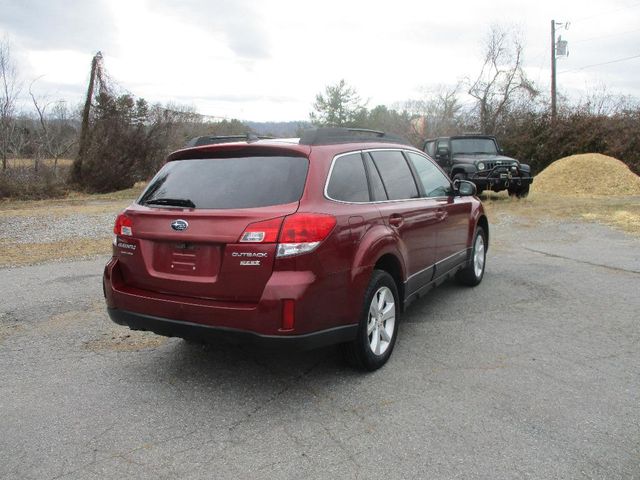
478, 158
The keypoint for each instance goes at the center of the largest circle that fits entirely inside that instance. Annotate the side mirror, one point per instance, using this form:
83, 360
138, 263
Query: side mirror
464, 188
442, 152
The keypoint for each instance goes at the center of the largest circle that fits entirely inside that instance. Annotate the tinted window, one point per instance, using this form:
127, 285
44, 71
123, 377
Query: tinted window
435, 183
243, 182
377, 188
348, 180
396, 176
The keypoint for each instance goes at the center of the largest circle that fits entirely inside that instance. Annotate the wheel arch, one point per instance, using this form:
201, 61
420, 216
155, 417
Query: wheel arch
390, 263
484, 223
462, 168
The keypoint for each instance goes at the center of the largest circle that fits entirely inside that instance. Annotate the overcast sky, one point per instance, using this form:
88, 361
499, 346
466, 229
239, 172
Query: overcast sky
266, 60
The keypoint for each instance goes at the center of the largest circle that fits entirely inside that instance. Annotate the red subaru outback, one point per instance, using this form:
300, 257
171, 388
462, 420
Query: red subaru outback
303, 242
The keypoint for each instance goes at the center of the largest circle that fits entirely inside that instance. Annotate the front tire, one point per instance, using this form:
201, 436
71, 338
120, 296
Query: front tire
474, 272
378, 325
520, 192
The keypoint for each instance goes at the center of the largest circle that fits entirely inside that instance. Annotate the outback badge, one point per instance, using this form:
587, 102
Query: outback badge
179, 225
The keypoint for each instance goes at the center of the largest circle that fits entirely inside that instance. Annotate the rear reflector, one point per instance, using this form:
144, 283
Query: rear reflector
123, 225
288, 314
262, 232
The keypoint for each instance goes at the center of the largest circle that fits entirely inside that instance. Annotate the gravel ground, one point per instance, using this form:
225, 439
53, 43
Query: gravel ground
51, 228
534, 374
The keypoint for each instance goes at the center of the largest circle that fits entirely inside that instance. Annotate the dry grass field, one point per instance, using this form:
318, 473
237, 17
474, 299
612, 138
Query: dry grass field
29, 162
621, 212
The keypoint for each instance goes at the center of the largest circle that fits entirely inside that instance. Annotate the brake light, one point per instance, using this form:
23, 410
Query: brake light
262, 232
303, 232
123, 225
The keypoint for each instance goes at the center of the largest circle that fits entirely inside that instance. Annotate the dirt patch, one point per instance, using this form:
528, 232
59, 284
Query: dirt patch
617, 211
12, 254
6, 330
587, 174
125, 341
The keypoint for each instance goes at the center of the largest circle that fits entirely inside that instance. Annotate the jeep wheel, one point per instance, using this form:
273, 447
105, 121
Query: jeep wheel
521, 192
474, 271
378, 326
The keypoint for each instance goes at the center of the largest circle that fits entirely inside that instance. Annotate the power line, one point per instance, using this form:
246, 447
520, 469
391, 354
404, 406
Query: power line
599, 64
605, 36
598, 15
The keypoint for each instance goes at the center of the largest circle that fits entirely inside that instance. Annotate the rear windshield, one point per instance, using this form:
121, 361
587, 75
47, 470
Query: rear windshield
243, 182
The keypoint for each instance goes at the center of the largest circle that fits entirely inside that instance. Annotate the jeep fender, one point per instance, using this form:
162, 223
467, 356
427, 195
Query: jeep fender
463, 168
525, 168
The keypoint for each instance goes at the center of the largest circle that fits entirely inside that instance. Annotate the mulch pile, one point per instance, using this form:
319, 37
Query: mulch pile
587, 174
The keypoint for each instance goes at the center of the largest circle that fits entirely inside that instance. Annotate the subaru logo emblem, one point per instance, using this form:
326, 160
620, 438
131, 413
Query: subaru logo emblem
179, 225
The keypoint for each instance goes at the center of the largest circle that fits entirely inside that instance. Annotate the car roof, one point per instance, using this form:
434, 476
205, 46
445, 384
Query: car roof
333, 138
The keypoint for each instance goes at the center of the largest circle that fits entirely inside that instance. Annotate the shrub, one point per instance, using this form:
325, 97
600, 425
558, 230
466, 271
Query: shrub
25, 183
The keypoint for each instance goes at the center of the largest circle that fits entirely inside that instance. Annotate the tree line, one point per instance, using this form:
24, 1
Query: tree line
126, 138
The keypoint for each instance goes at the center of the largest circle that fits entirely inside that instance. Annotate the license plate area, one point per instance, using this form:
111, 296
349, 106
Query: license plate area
189, 259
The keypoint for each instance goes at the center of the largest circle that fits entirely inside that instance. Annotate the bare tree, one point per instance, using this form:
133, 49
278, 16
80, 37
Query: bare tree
56, 136
501, 78
438, 112
9, 91
599, 100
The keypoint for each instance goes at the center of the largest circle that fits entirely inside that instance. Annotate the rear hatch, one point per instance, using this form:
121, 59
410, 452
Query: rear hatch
183, 235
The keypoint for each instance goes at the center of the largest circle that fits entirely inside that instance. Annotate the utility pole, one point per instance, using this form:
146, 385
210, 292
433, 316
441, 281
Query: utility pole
558, 48
76, 171
553, 69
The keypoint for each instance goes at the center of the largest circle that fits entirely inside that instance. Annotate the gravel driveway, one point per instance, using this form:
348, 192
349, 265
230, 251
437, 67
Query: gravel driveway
533, 374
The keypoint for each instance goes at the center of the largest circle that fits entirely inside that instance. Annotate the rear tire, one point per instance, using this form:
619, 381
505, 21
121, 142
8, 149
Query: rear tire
378, 327
473, 273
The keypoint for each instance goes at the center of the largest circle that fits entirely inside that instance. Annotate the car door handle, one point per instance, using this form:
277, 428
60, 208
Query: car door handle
441, 213
396, 220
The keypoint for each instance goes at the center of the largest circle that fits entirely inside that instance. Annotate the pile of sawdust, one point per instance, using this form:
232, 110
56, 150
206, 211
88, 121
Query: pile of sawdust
587, 174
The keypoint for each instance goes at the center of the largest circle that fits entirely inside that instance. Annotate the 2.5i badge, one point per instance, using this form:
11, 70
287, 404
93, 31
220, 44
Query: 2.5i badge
247, 263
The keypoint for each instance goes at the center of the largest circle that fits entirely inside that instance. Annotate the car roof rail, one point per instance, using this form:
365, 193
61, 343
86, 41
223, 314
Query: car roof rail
337, 135
214, 139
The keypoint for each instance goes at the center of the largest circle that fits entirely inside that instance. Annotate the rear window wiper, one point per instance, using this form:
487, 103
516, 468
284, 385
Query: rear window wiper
174, 202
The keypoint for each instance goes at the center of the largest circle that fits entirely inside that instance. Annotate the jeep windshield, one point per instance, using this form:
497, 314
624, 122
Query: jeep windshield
473, 146
242, 182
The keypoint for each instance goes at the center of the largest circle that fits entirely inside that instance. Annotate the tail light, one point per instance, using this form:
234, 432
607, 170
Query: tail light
262, 232
299, 233
303, 232
123, 226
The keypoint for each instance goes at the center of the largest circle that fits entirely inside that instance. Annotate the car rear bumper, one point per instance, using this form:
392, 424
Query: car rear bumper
211, 334
260, 322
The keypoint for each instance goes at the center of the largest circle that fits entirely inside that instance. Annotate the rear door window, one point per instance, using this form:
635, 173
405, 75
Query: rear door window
396, 175
243, 182
348, 181
377, 187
